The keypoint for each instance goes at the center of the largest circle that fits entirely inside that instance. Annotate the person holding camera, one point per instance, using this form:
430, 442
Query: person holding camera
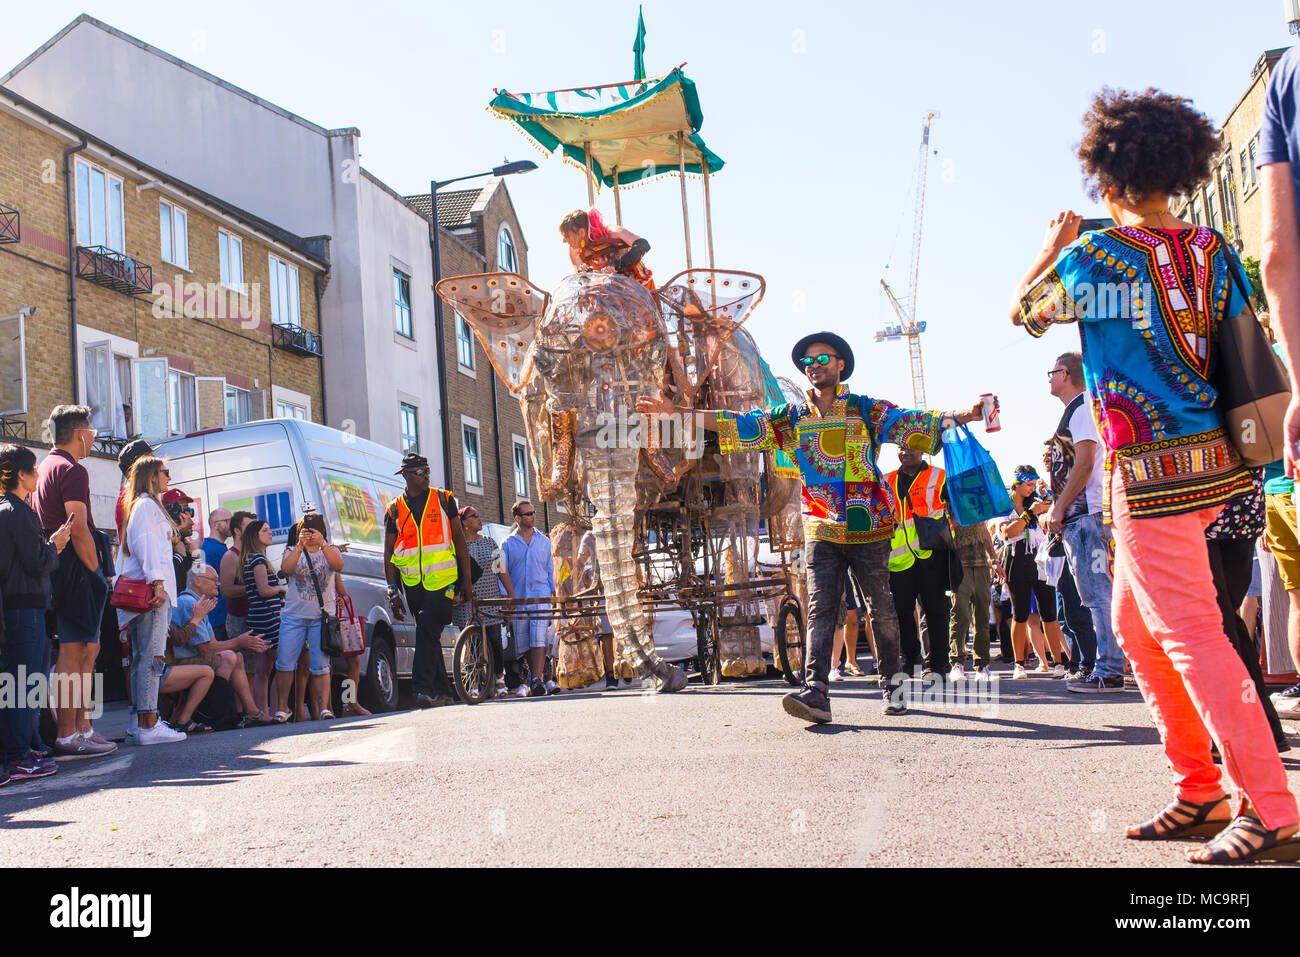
1022, 535
311, 565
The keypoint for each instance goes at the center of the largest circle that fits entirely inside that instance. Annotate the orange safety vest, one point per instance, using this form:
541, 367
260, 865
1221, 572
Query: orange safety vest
423, 552
923, 499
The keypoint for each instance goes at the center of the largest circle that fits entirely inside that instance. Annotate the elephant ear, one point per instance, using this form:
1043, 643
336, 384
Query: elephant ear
701, 309
503, 309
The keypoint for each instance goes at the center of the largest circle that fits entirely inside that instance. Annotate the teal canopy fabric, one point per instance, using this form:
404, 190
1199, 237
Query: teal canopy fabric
631, 128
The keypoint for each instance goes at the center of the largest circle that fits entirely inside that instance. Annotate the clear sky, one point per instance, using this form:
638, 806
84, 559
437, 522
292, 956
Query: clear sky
816, 108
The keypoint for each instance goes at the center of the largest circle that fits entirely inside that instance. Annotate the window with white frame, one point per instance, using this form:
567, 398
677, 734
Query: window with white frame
473, 472
99, 207
239, 405
464, 343
230, 252
402, 303
1196, 211
1212, 207
1251, 149
182, 402
284, 293
289, 410
506, 260
521, 469
1229, 191
174, 224
410, 425
109, 382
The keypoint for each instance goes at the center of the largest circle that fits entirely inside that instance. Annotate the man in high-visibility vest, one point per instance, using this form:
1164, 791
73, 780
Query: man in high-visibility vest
917, 574
424, 547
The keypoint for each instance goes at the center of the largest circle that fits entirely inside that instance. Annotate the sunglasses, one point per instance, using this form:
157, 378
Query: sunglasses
822, 360
423, 472
472, 515
526, 514
166, 472
1052, 372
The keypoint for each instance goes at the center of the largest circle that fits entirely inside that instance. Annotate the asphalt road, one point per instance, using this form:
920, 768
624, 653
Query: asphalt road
711, 776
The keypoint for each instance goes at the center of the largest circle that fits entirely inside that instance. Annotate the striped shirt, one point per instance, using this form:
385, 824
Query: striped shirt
263, 616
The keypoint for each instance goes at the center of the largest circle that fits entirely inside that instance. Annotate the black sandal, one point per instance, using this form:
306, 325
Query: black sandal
1181, 819
1229, 847
194, 727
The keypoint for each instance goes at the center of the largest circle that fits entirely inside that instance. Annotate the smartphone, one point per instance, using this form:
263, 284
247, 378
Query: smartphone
1104, 222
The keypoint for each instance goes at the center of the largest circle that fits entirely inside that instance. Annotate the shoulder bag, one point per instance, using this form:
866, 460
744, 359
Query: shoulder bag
1254, 391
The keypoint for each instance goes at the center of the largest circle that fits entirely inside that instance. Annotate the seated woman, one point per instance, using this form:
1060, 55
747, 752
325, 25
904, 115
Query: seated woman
595, 246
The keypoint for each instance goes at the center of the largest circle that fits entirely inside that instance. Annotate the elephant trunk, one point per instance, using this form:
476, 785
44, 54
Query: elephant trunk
611, 485
563, 431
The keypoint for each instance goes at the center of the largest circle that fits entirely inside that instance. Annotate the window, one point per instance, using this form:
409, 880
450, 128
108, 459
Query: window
1196, 211
13, 365
1212, 207
1251, 147
174, 223
109, 387
521, 469
410, 423
506, 261
289, 410
284, 294
182, 403
1229, 191
464, 343
473, 474
239, 405
230, 250
99, 208
402, 303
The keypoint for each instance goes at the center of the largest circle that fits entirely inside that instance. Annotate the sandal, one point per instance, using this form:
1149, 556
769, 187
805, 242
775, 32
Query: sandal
852, 670
326, 715
501, 690
193, 727
1180, 819
281, 717
252, 721
1230, 847
355, 709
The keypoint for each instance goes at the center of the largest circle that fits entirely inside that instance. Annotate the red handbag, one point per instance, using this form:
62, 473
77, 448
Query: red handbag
132, 594
352, 629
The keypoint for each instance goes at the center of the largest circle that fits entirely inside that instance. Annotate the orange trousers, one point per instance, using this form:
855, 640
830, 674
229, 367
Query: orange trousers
1170, 627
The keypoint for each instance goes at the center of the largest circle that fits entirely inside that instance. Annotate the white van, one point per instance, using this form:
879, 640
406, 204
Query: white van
275, 467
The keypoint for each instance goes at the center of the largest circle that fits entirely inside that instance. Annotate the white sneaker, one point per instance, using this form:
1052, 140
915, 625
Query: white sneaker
552, 688
984, 674
1285, 705
521, 691
835, 675
958, 673
1058, 671
160, 733
1019, 671
133, 726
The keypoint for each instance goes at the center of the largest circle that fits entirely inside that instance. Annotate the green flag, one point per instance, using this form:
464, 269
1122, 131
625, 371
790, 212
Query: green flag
638, 47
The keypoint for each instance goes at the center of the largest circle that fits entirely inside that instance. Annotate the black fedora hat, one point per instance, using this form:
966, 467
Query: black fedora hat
837, 343
412, 460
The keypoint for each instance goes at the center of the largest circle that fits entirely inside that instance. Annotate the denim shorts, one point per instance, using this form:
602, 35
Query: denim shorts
294, 632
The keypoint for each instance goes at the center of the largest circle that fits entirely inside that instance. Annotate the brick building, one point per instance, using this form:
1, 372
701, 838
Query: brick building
1229, 200
480, 232
175, 311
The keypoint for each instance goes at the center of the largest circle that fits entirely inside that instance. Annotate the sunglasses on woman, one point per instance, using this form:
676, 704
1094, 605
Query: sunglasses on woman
822, 360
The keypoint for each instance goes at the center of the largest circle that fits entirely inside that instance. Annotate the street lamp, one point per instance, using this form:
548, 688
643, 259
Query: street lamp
506, 169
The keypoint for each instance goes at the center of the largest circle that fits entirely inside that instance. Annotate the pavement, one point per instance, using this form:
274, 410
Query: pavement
711, 776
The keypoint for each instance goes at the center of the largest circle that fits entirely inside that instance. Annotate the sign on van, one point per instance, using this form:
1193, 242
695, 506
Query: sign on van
358, 512
274, 505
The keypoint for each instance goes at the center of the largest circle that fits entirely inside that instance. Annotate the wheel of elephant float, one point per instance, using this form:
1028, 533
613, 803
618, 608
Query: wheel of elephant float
789, 642
473, 666
708, 656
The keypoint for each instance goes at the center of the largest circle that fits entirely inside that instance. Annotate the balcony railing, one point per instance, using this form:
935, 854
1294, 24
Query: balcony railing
12, 428
114, 270
10, 229
295, 339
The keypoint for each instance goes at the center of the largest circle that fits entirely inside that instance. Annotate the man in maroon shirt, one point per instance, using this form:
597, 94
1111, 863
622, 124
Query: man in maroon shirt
63, 493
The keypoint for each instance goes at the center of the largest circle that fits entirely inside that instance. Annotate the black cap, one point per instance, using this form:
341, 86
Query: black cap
837, 343
130, 452
412, 460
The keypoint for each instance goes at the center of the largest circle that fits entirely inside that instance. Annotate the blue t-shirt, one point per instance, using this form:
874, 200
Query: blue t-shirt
213, 552
185, 603
1279, 137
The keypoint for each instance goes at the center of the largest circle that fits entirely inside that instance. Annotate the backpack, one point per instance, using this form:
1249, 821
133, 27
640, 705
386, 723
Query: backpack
219, 707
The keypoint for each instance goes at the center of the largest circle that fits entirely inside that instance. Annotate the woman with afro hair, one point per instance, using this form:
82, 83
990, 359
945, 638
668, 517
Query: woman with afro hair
1149, 295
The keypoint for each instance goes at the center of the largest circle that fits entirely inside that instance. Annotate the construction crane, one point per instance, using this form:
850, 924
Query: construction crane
908, 328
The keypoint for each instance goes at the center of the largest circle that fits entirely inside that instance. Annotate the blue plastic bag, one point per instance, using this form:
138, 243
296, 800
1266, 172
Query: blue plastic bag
976, 491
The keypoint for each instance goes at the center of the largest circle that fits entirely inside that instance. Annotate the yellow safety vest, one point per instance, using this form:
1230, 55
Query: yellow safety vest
904, 550
423, 552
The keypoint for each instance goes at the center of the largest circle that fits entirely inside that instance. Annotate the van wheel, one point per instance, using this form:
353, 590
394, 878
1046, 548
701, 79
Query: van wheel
379, 683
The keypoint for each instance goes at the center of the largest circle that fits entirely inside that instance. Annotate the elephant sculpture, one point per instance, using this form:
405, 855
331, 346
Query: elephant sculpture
578, 359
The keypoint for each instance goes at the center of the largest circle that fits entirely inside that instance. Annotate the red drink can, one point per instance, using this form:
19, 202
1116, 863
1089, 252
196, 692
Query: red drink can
989, 402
